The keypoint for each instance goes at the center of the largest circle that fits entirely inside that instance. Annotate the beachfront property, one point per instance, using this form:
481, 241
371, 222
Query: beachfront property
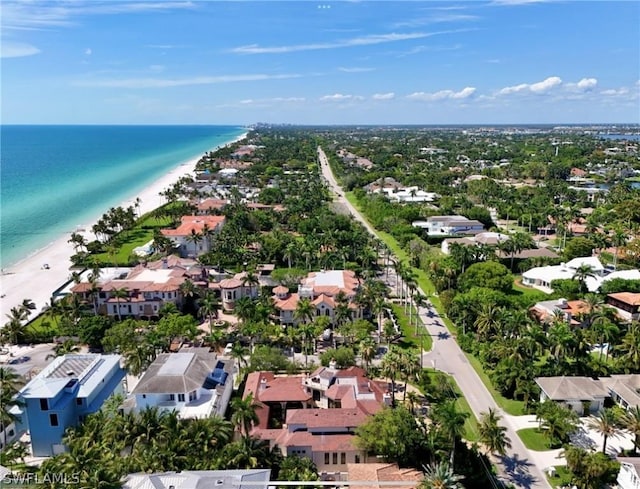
315, 415
541, 277
194, 382
324, 289
142, 291
449, 225
192, 237
587, 395
200, 479
70, 388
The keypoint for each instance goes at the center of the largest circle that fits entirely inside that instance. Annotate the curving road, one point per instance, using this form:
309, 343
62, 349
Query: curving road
446, 355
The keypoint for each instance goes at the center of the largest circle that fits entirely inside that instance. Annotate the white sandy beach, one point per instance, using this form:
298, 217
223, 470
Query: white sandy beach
28, 280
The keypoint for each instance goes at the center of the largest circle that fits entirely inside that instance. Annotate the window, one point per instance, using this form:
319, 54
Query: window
79, 401
192, 396
357, 459
335, 458
53, 419
180, 397
44, 405
172, 397
326, 458
343, 458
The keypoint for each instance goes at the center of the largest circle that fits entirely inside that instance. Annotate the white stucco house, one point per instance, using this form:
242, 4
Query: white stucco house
449, 225
541, 277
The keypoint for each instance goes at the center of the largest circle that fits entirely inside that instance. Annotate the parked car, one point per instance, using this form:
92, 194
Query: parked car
228, 348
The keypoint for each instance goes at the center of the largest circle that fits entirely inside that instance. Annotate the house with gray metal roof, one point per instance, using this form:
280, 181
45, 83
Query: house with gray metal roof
194, 382
70, 388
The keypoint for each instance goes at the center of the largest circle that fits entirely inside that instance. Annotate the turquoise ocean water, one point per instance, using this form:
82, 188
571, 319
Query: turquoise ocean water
54, 178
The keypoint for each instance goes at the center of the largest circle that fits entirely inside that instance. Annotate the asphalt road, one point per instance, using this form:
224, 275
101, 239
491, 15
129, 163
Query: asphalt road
447, 356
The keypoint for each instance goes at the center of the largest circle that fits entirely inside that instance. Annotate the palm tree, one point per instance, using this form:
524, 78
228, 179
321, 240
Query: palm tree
68, 346
630, 346
10, 384
209, 306
367, 351
305, 310
631, 422
440, 476
390, 368
492, 435
239, 352
451, 422
244, 414
582, 273
604, 424
618, 239
118, 295
251, 280
307, 332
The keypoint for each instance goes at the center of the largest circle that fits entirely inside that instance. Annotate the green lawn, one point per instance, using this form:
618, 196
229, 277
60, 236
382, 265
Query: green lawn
410, 339
44, 325
471, 424
534, 439
130, 240
563, 477
510, 406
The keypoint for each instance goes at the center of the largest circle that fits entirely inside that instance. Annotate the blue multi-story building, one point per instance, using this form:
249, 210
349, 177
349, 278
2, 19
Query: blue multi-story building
63, 394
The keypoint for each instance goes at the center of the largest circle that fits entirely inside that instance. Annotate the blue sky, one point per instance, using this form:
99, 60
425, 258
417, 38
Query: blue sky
308, 62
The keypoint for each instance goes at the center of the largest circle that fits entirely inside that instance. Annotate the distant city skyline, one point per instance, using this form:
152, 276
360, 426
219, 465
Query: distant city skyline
306, 62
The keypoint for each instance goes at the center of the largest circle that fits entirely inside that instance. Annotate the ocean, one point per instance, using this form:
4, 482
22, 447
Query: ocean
56, 178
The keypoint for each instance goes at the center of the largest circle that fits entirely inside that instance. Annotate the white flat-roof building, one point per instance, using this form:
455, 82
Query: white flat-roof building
449, 225
541, 277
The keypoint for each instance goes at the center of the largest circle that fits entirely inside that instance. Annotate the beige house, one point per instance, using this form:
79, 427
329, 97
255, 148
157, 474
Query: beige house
587, 395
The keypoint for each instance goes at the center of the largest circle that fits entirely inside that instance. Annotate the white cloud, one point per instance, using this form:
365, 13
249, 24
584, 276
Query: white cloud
88, 52
435, 19
356, 41
339, 97
35, 15
383, 96
546, 84
10, 49
587, 83
156, 68
515, 2
615, 92
355, 70
443, 95
538, 87
176, 82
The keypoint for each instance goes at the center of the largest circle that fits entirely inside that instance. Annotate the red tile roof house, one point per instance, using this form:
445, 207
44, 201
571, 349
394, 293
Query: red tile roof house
322, 288
321, 412
148, 288
191, 237
626, 305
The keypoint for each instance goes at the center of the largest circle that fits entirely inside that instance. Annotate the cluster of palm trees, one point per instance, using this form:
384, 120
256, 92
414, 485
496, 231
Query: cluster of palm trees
612, 422
14, 331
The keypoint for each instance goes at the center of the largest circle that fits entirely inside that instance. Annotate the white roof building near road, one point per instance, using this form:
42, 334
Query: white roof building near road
541, 277
200, 479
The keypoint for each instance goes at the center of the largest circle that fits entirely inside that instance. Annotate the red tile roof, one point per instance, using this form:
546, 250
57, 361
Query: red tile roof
633, 299
195, 224
323, 418
266, 387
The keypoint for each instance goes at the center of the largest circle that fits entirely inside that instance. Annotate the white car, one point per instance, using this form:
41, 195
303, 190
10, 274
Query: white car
228, 348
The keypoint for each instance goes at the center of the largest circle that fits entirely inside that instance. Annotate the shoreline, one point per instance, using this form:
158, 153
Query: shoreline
27, 279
